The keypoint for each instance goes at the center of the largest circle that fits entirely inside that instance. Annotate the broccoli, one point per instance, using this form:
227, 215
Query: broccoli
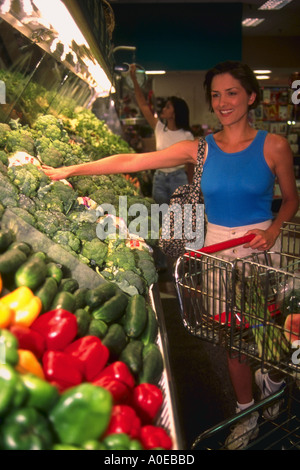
4, 131
148, 270
84, 185
104, 196
130, 282
57, 196
8, 192
25, 202
25, 215
95, 251
27, 178
47, 222
20, 140
86, 231
78, 218
3, 156
49, 126
122, 259
68, 240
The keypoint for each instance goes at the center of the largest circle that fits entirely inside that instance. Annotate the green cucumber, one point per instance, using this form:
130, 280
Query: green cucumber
68, 284
97, 328
83, 318
150, 332
6, 238
11, 260
135, 318
32, 273
47, 292
96, 296
115, 340
132, 355
80, 297
112, 309
22, 246
64, 300
54, 270
153, 365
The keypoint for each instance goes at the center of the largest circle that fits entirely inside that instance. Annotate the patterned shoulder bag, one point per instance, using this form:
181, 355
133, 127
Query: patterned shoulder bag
183, 223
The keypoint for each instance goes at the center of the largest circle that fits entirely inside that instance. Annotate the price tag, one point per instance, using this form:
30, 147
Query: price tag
2, 92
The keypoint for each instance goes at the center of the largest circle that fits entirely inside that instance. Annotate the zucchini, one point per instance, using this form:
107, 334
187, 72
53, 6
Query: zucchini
97, 296
112, 309
68, 284
132, 355
47, 292
135, 318
32, 273
150, 332
153, 365
97, 328
11, 260
115, 340
54, 270
6, 238
64, 300
80, 297
83, 318
22, 246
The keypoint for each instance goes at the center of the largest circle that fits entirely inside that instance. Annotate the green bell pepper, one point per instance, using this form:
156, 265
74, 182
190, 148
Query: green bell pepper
8, 348
25, 429
8, 383
82, 413
41, 394
121, 441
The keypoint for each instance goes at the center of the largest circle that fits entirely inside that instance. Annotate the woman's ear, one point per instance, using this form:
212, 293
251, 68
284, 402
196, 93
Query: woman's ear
251, 98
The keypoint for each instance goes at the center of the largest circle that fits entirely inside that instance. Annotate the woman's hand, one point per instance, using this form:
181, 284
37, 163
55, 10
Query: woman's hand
56, 173
263, 240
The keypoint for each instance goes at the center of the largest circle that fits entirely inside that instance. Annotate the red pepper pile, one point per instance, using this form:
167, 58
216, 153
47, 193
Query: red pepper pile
68, 361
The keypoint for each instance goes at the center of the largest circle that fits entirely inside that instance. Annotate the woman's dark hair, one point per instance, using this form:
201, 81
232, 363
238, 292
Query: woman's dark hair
182, 113
240, 72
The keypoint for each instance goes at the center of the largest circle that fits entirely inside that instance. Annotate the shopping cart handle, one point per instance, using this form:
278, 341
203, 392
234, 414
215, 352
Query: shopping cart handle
222, 245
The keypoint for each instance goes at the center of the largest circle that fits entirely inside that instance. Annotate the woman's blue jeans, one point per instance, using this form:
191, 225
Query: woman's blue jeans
164, 184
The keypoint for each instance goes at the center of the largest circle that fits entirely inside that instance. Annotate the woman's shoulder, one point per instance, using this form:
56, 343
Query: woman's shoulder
276, 142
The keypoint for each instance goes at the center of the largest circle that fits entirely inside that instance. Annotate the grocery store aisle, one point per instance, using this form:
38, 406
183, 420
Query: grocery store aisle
199, 371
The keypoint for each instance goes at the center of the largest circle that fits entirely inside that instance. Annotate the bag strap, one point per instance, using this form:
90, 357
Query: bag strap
200, 156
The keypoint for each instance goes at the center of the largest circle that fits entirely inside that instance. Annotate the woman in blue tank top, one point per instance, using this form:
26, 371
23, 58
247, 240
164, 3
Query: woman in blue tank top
240, 167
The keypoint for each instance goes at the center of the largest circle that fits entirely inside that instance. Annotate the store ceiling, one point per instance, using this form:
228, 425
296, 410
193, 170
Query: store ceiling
273, 43
283, 22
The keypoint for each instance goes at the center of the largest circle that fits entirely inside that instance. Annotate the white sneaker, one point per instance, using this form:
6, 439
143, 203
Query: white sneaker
244, 431
273, 410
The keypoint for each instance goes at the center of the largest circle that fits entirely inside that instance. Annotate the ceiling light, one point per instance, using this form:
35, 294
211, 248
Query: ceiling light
262, 71
274, 4
155, 72
252, 22
263, 77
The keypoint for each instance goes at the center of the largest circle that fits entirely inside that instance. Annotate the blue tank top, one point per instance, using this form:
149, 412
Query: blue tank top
237, 187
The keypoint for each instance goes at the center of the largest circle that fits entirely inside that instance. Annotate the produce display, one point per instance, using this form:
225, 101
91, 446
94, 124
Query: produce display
79, 368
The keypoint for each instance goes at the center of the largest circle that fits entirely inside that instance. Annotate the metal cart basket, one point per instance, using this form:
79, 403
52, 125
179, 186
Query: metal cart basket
250, 306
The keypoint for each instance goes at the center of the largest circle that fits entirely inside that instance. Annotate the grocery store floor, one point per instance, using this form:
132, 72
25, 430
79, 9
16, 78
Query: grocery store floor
199, 373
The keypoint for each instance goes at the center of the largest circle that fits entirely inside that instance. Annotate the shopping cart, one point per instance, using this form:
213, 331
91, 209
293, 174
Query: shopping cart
250, 306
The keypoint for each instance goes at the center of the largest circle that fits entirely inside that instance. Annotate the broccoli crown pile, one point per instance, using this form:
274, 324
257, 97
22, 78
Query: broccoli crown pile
54, 207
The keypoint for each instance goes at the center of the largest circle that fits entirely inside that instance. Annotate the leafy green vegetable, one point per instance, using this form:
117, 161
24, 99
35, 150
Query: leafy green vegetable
67, 239
95, 251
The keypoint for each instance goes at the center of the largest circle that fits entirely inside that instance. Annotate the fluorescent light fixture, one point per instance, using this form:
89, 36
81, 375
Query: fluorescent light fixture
252, 22
58, 17
258, 72
155, 72
262, 77
274, 4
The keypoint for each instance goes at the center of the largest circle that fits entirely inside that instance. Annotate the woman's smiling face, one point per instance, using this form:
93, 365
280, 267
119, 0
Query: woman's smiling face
229, 99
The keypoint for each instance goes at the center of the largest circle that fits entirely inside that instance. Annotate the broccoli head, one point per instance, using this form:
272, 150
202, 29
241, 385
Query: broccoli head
57, 196
8, 192
4, 131
27, 178
49, 126
95, 251
25, 215
20, 140
68, 240
86, 231
3, 156
47, 222
122, 259
130, 282
148, 271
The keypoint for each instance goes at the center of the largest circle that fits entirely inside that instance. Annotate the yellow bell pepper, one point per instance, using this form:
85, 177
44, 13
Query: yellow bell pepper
18, 298
6, 315
25, 316
28, 363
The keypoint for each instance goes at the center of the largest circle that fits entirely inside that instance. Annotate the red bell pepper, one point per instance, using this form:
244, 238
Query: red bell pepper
120, 392
58, 327
124, 420
91, 354
147, 400
61, 369
152, 437
29, 339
